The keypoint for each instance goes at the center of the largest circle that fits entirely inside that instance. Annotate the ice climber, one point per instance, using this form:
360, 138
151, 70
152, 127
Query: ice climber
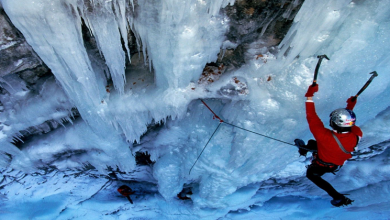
332, 147
126, 192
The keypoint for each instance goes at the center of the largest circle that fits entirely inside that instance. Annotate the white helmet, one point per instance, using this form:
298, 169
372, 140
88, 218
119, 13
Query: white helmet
343, 118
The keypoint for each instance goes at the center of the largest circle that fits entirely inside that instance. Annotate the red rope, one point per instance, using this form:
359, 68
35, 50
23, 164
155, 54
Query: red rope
215, 115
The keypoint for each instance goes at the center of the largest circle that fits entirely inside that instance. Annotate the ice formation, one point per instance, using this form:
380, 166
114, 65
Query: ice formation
179, 38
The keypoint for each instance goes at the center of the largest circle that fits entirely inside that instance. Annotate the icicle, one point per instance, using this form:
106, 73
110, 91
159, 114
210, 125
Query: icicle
120, 12
101, 23
60, 122
132, 4
17, 137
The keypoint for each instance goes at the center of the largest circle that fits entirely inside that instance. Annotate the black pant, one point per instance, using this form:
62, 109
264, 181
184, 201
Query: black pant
314, 173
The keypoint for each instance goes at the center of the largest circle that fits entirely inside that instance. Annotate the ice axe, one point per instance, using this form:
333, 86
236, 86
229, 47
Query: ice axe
318, 67
374, 74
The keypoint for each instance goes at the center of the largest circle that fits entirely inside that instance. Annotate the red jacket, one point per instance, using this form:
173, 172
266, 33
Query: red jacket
328, 149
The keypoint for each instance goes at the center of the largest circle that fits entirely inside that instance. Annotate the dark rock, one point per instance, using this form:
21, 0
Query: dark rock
15, 54
31, 76
260, 22
143, 158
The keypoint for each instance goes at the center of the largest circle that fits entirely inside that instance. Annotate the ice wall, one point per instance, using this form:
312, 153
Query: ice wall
164, 29
178, 42
167, 28
353, 35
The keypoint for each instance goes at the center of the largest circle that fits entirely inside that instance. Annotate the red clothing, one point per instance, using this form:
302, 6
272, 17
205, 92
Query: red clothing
125, 190
328, 149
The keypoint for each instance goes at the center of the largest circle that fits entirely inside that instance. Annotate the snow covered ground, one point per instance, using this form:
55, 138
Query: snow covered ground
89, 195
240, 175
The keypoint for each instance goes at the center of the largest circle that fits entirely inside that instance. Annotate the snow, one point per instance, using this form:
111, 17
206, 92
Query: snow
240, 175
7, 45
80, 195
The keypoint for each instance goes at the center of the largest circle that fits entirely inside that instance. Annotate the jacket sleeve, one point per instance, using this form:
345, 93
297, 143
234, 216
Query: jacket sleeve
315, 124
350, 103
356, 130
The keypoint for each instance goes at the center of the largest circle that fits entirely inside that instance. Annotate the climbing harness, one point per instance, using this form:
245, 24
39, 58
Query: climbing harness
316, 161
215, 116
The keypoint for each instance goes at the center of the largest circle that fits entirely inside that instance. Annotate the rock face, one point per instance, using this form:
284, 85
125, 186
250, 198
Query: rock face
16, 56
260, 24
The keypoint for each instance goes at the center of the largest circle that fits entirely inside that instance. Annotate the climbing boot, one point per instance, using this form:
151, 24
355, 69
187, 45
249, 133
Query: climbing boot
344, 201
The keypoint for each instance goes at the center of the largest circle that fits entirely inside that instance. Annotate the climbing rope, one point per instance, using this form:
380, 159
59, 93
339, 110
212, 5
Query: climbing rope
204, 148
221, 121
215, 116
259, 134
